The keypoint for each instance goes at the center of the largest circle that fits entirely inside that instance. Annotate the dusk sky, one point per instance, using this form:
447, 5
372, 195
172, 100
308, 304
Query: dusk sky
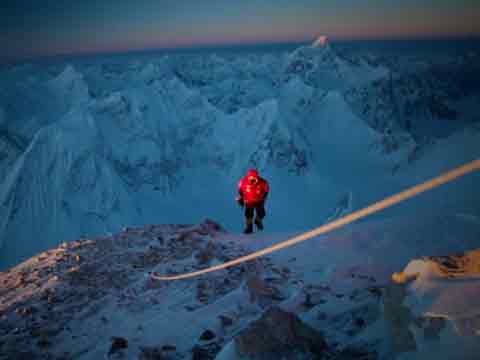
47, 27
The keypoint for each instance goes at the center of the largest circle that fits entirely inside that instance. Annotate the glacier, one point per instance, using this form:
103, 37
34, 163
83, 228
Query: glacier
91, 146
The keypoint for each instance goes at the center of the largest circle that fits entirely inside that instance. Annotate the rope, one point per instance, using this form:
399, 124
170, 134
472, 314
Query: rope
376, 207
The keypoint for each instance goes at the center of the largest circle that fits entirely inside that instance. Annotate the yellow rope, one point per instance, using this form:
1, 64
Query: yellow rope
378, 206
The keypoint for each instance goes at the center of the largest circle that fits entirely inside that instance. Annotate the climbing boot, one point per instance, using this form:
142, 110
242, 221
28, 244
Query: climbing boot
248, 227
259, 223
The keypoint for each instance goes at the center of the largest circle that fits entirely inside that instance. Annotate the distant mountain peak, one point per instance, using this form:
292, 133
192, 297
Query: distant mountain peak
321, 41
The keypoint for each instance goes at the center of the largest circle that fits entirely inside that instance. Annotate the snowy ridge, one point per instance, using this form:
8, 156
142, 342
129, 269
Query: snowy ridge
322, 67
93, 298
57, 164
107, 144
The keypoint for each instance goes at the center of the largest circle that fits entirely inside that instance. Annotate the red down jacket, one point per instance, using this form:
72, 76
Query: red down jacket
252, 188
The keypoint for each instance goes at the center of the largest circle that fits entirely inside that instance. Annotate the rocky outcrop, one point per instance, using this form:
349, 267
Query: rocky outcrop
434, 302
278, 333
45, 300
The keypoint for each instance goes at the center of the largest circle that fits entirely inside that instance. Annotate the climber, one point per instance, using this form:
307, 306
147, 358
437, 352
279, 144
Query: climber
253, 191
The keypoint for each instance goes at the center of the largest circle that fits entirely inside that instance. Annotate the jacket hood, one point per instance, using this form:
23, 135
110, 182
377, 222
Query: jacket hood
253, 173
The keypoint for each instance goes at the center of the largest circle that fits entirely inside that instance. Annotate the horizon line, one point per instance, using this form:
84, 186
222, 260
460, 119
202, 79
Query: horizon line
212, 46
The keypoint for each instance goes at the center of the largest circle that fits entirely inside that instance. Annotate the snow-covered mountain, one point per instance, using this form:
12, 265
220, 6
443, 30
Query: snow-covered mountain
90, 147
423, 98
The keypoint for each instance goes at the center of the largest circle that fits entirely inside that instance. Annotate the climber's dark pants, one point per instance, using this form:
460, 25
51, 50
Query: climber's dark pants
259, 208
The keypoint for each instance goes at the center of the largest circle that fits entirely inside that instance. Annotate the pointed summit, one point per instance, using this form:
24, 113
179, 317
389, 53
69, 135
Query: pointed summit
321, 47
321, 41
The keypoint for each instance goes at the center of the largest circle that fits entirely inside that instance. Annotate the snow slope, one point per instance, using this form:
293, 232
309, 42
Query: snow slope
90, 147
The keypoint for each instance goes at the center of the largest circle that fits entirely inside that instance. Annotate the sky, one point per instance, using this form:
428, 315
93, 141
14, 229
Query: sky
30, 28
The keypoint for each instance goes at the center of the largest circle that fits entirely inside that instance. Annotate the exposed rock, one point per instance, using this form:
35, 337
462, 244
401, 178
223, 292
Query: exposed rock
398, 318
206, 254
43, 342
45, 314
356, 353
25, 311
205, 352
359, 322
431, 327
164, 352
212, 227
457, 265
314, 298
117, 344
430, 296
169, 347
200, 353
43, 300
225, 320
151, 353
24, 355
262, 292
203, 291
279, 334
207, 335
